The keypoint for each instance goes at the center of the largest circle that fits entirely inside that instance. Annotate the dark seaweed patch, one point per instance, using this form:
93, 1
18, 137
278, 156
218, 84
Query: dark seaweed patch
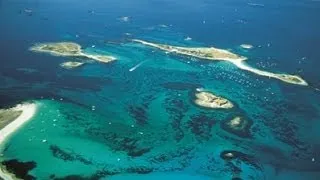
164, 157
182, 157
20, 169
80, 177
176, 109
127, 144
67, 156
139, 170
139, 114
201, 126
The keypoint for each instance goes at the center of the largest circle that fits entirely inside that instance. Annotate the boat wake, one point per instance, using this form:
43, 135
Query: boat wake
136, 66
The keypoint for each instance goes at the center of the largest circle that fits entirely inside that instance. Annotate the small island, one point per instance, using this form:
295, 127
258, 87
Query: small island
211, 53
209, 100
71, 64
69, 49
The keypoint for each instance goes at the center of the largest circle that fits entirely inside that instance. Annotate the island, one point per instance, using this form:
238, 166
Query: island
71, 64
69, 49
211, 53
209, 100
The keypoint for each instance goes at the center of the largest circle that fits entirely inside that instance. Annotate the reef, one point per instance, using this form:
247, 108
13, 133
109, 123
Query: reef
201, 126
71, 64
209, 100
211, 53
20, 169
67, 156
69, 49
239, 126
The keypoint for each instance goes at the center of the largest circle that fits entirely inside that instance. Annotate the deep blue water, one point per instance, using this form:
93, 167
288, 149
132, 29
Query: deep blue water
179, 140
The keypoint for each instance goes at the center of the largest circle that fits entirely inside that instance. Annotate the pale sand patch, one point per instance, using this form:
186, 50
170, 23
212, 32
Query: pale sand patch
28, 111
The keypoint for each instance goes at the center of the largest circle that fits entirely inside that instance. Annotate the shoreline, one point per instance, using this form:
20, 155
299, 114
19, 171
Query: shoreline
225, 55
28, 111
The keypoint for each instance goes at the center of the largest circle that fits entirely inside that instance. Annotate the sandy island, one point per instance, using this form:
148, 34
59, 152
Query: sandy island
71, 64
209, 100
212, 53
11, 120
69, 49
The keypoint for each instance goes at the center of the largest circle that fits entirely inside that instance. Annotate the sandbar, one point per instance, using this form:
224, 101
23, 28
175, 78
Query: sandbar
211, 53
209, 100
69, 49
11, 120
71, 64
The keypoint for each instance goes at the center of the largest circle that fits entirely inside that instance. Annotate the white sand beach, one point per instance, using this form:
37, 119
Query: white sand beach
28, 111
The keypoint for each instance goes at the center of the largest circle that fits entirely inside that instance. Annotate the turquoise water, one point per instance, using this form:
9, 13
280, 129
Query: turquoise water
102, 121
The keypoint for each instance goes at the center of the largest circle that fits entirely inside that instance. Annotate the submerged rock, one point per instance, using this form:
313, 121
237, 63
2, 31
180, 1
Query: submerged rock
71, 64
230, 155
238, 126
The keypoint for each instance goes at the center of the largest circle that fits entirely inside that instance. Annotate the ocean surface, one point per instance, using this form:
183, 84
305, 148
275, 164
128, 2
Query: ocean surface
102, 121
